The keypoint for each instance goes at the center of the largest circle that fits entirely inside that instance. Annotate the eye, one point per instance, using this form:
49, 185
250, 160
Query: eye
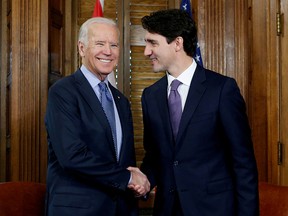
153, 43
114, 46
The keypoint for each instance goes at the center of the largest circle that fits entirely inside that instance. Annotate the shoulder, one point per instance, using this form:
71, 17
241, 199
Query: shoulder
66, 84
215, 78
213, 75
155, 87
76, 77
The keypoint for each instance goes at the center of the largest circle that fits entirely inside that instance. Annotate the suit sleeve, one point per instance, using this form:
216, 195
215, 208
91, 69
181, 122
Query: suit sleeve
236, 127
148, 165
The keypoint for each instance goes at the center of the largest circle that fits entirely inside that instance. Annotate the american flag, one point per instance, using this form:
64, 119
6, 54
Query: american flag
185, 5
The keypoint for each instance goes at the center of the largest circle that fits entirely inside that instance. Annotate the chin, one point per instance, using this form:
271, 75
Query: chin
106, 71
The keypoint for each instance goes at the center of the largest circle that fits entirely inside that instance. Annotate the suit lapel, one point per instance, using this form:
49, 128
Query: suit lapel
162, 105
117, 99
122, 114
89, 95
92, 100
195, 93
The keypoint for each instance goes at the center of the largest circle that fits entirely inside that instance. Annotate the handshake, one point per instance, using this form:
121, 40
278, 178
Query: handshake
139, 182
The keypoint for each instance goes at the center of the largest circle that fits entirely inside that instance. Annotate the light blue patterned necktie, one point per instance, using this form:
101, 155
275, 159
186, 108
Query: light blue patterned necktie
108, 107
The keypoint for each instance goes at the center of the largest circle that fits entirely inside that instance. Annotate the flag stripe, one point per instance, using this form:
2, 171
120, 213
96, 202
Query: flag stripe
98, 9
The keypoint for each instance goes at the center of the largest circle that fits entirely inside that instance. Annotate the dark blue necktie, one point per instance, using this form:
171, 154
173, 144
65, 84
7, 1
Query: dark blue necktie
108, 107
175, 106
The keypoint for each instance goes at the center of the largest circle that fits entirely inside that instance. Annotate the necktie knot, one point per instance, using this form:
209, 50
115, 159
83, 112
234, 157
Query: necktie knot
104, 89
175, 84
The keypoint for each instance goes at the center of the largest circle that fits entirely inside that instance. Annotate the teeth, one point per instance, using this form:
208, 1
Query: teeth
105, 60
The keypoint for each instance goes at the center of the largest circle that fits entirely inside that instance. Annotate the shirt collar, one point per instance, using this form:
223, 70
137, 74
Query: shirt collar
186, 76
92, 79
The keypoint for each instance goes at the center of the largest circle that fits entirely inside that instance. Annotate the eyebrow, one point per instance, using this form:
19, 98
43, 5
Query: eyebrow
151, 41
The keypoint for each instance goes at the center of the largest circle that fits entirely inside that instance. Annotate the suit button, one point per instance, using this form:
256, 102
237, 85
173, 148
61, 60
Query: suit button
176, 163
171, 190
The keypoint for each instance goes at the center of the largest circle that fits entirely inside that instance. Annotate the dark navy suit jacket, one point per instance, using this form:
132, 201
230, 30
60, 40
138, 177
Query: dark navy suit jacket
211, 166
84, 177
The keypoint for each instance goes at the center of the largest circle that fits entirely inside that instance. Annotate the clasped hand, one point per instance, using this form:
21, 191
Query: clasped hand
139, 182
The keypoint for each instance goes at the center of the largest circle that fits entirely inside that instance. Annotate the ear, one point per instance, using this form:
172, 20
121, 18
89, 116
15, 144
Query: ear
179, 43
81, 49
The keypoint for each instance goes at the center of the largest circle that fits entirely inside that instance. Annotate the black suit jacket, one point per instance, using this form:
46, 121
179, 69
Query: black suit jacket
211, 166
84, 177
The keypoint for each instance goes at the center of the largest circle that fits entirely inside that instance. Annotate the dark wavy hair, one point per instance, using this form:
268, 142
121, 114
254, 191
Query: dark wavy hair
171, 24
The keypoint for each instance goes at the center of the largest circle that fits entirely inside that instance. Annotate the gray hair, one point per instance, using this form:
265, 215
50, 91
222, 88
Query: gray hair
83, 32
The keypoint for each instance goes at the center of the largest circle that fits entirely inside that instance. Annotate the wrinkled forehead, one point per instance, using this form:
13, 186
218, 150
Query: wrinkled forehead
103, 31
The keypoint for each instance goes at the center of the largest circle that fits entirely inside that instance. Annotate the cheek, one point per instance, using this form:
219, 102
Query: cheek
90, 53
116, 54
168, 56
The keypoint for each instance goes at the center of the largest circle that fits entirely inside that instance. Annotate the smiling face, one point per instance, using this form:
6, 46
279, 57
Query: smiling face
160, 52
101, 53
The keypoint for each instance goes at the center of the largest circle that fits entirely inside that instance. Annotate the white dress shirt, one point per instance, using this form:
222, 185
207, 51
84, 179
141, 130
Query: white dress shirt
185, 78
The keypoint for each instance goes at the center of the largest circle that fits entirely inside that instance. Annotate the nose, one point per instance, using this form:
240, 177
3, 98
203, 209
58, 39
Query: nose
147, 51
107, 49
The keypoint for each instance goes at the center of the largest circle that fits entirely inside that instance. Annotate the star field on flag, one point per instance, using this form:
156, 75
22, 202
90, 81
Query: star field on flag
185, 5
